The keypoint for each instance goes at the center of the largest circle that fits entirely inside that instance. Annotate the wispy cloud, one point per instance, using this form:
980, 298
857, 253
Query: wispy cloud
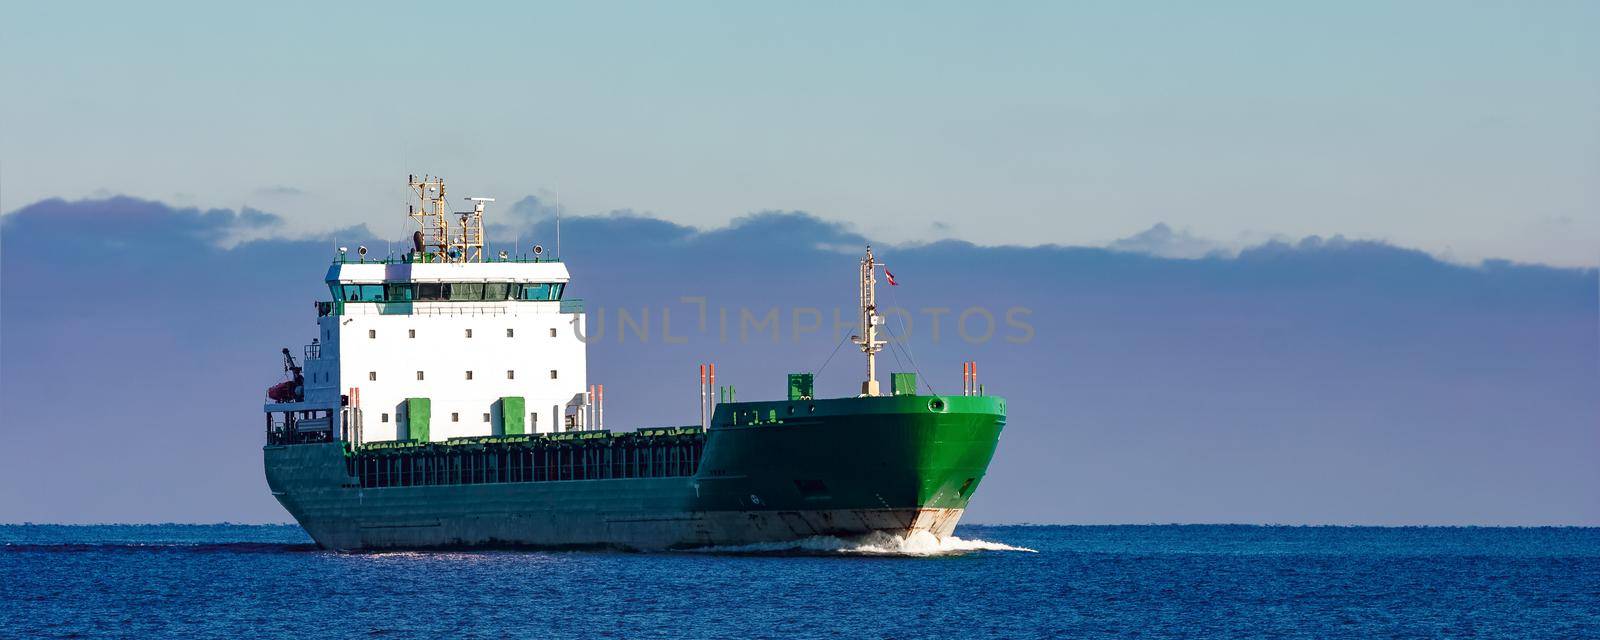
1162, 241
279, 191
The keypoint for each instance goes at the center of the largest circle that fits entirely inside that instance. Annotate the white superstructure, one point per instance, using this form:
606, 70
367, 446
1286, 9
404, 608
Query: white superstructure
439, 343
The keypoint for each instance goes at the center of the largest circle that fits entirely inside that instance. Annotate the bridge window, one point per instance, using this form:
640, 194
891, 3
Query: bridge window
541, 291
535, 292
400, 291
362, 292
445, 291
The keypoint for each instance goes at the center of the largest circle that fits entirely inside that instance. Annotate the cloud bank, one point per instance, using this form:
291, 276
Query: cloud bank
1319, 381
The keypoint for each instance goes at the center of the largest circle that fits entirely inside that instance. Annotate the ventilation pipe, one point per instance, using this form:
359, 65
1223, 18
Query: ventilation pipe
708, 403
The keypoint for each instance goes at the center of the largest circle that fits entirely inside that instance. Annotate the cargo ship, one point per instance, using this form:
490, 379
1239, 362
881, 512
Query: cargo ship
446, 404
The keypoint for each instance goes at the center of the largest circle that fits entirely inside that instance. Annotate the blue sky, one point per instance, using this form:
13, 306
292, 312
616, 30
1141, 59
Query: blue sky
1468, 130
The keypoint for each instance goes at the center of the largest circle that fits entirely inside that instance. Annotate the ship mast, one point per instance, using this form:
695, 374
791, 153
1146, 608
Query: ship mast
461, 243
868, 340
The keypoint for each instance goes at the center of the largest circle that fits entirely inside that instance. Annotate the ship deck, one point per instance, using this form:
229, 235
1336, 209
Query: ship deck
583, 455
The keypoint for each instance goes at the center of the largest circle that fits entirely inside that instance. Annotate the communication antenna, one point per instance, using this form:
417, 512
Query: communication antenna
868, 340
558, 223
433, 234
437, 236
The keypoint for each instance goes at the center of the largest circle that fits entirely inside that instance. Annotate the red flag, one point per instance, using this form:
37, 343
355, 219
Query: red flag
892, 283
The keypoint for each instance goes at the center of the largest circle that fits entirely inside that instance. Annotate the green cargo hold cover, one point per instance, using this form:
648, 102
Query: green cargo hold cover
800, 386
904, 384
512, 411
419, 414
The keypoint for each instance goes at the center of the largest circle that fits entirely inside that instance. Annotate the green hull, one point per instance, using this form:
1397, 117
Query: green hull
770, 471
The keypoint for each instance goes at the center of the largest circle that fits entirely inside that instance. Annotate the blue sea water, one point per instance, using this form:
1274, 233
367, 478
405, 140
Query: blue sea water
1007, 581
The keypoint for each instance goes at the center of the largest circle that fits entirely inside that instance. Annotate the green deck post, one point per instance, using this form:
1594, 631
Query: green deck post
512, 410
800, 386
419, 414
904, 384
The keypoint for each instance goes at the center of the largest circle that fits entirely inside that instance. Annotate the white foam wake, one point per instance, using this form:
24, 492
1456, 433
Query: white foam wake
917, 543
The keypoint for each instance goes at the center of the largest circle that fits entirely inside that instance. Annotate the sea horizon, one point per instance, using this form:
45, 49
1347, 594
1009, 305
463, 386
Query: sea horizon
984, 581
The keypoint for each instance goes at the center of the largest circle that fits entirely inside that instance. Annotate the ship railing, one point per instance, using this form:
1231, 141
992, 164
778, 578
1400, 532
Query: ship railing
432, 257
445, 308
279, 432
458, 309
303, 426
538, 459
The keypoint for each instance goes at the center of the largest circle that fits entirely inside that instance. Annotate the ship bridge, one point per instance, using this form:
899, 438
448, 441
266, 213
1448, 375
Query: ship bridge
405, 280
441, 342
